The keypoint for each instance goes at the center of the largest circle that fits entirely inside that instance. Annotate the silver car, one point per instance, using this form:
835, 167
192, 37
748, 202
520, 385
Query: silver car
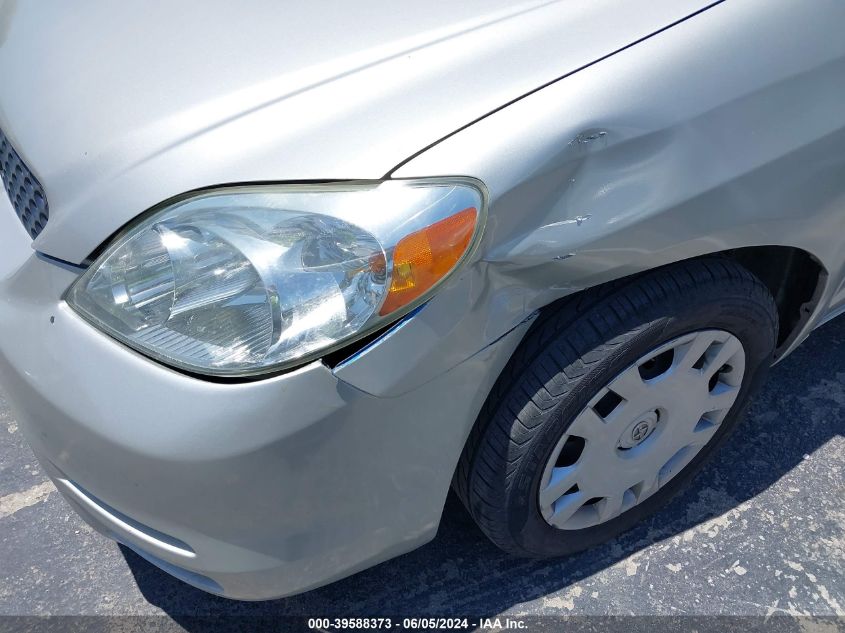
275, 276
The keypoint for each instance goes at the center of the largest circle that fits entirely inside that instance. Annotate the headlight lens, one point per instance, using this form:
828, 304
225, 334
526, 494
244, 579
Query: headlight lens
246, 280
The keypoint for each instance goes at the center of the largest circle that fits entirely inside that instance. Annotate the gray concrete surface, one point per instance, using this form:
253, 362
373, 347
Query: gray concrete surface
761, 532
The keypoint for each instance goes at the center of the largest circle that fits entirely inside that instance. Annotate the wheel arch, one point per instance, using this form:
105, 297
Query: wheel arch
795, 278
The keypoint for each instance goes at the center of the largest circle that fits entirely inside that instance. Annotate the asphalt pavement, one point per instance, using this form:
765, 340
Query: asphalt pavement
760, 532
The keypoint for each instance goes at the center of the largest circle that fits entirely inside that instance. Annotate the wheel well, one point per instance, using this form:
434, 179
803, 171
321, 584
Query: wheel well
793, 276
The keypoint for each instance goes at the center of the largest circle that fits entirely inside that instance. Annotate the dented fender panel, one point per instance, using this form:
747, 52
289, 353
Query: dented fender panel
700, 139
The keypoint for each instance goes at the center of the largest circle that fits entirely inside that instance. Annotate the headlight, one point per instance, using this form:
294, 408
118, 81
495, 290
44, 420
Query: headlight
246, 280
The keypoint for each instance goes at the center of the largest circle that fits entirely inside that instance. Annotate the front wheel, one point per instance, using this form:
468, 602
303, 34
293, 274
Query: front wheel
613, 402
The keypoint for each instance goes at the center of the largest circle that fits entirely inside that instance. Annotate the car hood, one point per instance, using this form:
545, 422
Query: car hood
116, 106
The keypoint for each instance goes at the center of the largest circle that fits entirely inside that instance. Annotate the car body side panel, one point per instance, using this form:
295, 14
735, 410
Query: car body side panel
702, 138
144, 100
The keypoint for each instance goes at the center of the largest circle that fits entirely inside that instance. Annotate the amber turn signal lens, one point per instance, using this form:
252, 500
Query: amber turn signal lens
424, 257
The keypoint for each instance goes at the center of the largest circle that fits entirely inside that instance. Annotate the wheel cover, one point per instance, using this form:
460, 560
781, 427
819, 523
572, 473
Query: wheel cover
641, 429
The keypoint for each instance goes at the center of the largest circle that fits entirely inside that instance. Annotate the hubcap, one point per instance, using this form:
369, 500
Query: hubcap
642, 429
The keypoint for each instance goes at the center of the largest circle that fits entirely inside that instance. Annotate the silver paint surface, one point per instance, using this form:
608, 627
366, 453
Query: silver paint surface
109, 103
725, 130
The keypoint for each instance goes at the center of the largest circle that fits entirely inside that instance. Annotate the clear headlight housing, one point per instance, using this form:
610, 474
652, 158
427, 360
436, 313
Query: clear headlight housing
246, 280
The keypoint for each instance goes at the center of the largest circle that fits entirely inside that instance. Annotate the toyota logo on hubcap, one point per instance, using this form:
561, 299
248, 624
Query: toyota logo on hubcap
639, 432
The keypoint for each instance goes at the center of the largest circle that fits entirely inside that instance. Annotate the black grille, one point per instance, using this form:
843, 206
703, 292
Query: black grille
23, 188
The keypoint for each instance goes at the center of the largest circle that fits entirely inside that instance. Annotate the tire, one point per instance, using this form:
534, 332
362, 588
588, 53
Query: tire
575, 352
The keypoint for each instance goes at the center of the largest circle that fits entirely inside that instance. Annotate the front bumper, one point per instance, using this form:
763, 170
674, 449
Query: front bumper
253, 490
